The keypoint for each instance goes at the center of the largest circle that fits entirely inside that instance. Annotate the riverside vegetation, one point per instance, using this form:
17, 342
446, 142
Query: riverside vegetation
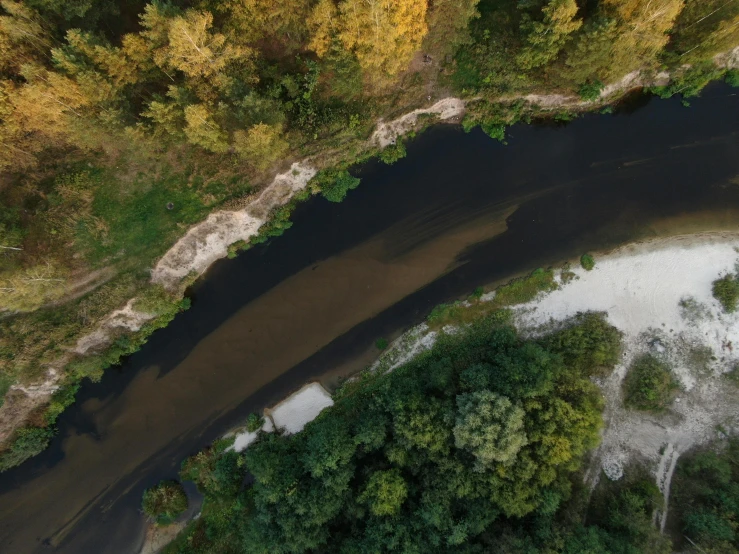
123, 124
477, 445
470, 446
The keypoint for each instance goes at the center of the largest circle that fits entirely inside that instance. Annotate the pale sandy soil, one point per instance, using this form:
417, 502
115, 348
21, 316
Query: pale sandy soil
157, 537
208, 241
289, 416
387, 132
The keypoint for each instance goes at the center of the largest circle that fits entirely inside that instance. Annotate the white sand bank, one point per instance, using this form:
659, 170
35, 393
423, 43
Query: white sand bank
387, 132
300, 408
290, 415
209, 241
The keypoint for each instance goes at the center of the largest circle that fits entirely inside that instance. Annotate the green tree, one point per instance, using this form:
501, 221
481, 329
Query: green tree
201, 129
261, 144
490, 427
649, 384
546, 38
385, 492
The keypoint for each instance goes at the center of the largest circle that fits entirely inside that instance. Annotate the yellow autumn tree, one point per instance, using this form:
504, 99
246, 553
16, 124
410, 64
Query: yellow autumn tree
24, 37
261, 145
48, 109
18, 148
383, 34
194, 49
284, 21
545, 39
642, 31
322, 23
201, 129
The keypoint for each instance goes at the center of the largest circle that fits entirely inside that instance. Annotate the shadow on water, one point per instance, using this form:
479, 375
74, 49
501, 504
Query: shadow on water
459, 211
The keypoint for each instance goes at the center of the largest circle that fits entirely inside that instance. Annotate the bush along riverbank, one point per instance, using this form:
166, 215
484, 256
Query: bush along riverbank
481, 429
121, 140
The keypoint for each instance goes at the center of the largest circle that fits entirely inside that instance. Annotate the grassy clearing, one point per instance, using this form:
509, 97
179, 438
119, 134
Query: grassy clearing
649, 385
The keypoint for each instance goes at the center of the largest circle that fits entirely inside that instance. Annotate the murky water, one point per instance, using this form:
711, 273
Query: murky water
459, 211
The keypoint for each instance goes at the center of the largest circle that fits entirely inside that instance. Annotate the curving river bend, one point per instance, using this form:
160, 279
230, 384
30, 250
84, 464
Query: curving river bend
459, 211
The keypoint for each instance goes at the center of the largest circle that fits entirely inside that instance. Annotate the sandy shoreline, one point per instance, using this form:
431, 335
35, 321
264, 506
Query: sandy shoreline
640, 287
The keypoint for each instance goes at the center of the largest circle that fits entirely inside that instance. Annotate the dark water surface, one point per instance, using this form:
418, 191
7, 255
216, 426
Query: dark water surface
459, 211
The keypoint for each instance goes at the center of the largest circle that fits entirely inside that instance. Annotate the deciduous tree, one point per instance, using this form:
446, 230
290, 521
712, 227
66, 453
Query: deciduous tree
261, 144
545, 39
490, 427
202, 129
383, 34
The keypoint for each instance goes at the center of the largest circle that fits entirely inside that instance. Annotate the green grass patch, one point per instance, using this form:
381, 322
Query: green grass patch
587, 262
525, 289
649, 385
139, 220
26, 443
690, 81
591, 90
335, 183
733, 374
236, 247
394, 152
254, 422
517, 291
726, 291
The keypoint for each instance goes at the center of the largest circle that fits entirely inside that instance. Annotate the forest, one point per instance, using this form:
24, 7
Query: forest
478, 445
122, 124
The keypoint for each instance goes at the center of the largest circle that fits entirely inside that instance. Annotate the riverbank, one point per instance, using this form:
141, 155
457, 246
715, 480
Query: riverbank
657, 295
214, 239
642, 289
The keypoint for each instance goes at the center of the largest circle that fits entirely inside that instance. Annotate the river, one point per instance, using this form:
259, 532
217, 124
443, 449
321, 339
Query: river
460, 210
